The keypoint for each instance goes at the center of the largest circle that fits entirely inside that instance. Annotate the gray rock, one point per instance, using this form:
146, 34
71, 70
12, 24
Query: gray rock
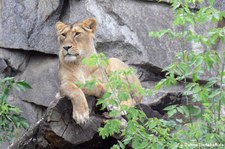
158, 95
121, 33
219, 4
3, 65
30, 111
15, 59
41, 73
29, 139
29, 24
138, 20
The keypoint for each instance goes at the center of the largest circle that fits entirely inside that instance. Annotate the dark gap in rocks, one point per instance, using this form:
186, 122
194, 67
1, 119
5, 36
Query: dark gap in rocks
57, 13
56, 142
30, 52
6, 70
98, 111
3, 64
59, 10
149, 111
97, 142
169, 99
10, 71
38, 53
41, 107
159, 2
64, 8
167, 4
149, 72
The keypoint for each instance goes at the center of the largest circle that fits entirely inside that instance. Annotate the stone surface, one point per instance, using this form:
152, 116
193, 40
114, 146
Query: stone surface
138, 22
30, 111
123, 34
158, 95
15, 59
3, 65
41, 74
29, 24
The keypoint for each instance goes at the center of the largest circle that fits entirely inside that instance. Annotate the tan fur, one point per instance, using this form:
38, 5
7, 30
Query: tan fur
76, 42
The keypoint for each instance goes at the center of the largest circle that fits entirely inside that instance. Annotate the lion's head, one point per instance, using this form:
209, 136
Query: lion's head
75, 40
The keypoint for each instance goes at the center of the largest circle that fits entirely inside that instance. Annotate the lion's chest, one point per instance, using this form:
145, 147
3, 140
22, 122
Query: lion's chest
88, 74
79, 75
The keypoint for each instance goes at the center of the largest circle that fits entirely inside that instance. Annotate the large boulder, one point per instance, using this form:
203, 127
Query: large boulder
29, 24
41, 73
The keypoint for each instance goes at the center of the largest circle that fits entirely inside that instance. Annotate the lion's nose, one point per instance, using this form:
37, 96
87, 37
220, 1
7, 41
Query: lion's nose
67, 47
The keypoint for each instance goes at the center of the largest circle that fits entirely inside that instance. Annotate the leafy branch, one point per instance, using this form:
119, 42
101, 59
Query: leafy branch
10, 116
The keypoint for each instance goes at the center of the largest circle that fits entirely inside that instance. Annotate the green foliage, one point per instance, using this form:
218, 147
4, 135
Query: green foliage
202, 122
140, 131
10, 118
205, 121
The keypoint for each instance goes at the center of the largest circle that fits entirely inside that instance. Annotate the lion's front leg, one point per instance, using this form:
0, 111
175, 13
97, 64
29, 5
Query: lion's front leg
79, 102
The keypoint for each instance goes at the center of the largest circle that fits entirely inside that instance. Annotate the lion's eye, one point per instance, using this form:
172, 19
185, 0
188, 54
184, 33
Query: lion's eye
63, 34
76, 34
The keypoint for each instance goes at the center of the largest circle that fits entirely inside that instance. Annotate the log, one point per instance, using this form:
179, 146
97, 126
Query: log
58, 130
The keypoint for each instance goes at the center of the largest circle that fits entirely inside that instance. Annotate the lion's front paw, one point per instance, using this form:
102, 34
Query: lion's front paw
81, 117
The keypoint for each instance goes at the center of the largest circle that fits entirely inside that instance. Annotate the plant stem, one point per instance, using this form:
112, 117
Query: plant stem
107, 79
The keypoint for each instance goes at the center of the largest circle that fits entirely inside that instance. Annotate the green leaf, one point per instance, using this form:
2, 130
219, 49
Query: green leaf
171, 112
111, 127
115, 146
114, 113
144, 144
160, 84
24, 124
173, 145
121, 145
22, 86
179, 120
211, 2
14, 109
151, 124
170, 107
107, 95
123, 96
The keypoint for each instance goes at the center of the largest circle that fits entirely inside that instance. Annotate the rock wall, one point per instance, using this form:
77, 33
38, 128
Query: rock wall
28, 46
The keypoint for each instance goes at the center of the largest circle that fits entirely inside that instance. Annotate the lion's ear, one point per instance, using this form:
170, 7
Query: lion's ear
90, 25
59, 26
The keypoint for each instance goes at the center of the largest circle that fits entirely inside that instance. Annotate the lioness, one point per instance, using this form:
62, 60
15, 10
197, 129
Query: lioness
76, 43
